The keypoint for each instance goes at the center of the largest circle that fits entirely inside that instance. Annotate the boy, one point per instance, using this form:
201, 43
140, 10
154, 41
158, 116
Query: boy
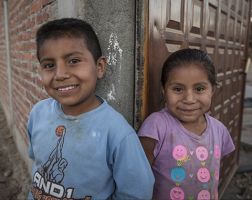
81, 147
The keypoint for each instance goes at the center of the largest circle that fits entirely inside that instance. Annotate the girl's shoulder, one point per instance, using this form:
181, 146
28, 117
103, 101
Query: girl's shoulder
157, 122
214, 121
161, 116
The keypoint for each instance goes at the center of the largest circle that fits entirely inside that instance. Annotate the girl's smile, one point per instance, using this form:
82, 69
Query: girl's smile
188, 95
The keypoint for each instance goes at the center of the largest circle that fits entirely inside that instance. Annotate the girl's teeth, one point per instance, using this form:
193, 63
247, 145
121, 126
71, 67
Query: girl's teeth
67, 88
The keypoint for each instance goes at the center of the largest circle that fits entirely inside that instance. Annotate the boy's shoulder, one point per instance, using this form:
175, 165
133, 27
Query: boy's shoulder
113, 117
43, 104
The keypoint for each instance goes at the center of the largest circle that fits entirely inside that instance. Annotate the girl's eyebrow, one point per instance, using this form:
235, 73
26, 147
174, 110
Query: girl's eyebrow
176, 83
199, 83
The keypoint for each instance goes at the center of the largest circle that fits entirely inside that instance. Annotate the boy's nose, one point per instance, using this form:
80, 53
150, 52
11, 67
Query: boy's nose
61, 72
189, 97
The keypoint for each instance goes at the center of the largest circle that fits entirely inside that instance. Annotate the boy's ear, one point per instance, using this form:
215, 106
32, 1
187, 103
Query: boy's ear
101, 66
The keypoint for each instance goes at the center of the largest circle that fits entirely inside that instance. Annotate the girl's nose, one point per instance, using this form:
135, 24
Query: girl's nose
189, 97
61, 72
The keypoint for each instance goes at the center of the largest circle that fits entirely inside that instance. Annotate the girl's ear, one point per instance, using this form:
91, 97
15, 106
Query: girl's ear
163, 89
101, 66
214, 89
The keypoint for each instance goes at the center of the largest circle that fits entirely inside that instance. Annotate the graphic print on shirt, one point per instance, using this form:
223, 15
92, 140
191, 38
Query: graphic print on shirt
177, 193
216, 173
46, 184
178, 174
53, 169
180, 154
204, 195
203, 175
217, 153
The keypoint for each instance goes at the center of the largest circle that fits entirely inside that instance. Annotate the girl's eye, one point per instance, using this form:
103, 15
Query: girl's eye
48, 66
199, 89
73, 61
178, 89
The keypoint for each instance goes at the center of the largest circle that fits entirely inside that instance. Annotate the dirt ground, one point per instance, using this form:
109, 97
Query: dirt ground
15, 180
14, 177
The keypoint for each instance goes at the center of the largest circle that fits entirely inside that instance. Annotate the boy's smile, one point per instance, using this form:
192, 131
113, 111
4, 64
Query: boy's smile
188, 95
69, 74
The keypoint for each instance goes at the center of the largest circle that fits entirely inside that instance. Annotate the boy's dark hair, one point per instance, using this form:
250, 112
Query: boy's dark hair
75, 28
185, 57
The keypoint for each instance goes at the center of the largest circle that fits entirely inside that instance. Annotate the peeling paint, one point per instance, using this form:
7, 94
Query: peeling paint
111, 95
114, 49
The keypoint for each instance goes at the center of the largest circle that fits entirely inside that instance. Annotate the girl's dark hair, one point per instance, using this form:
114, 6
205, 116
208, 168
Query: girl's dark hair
186, 57
75, 28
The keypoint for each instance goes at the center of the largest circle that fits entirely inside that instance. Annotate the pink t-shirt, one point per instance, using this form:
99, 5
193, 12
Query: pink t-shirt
186, 165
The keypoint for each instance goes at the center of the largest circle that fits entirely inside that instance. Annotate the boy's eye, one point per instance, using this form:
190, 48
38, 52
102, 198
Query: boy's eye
199, 89
48, 66
73, 61
178, 89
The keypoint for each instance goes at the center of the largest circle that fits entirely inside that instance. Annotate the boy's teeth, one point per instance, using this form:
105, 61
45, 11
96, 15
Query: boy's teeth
67, 88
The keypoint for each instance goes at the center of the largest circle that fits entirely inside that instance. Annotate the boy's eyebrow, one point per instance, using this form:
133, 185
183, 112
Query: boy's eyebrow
65, 56
73, 53
45, 59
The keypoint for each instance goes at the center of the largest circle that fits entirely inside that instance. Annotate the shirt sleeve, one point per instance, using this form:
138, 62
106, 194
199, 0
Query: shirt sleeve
29, 132
154, 127
227, 143
131, 170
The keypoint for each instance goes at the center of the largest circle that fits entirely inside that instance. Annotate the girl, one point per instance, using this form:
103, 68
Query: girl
182, 143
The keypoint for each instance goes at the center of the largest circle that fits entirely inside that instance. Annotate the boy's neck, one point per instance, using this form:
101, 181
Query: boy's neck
82, 107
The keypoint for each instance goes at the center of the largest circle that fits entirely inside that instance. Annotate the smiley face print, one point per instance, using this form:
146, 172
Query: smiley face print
176, 193
204, 195
203, 174
216, 173
216, 151
201, 153
178, 174
179, 152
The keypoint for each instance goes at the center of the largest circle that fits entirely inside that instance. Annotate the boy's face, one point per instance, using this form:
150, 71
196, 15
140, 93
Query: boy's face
69, 74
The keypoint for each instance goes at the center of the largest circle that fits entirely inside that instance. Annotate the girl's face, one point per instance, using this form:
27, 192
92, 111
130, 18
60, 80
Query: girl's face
188, 93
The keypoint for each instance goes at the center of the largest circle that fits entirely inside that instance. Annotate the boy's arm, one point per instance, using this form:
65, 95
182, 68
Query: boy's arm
30, 148
131, 170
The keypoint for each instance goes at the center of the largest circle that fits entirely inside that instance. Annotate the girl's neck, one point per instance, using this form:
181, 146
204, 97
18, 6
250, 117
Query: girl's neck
196, 127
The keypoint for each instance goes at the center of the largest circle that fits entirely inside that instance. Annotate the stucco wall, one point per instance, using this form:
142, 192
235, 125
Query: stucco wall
114, 23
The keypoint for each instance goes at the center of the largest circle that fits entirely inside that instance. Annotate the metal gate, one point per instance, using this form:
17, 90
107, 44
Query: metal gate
218, 27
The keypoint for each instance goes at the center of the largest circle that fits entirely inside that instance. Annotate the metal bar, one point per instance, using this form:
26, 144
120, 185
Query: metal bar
5, 3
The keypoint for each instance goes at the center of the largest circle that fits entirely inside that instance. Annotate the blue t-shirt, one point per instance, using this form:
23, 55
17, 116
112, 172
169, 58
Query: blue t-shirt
96, 155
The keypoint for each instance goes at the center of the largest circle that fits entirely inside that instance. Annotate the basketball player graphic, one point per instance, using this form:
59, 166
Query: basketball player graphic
53, 169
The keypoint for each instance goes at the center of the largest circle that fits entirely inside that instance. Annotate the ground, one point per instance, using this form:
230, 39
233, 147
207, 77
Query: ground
15, 180
14, 177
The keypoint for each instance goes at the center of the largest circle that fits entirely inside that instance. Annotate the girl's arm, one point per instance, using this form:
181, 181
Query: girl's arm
148, 146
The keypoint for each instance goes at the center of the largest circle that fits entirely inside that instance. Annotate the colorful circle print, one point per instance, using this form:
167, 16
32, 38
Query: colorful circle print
216, 151
204, 195
203, 174
178, 174
179, 152
176, 193
201, 153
